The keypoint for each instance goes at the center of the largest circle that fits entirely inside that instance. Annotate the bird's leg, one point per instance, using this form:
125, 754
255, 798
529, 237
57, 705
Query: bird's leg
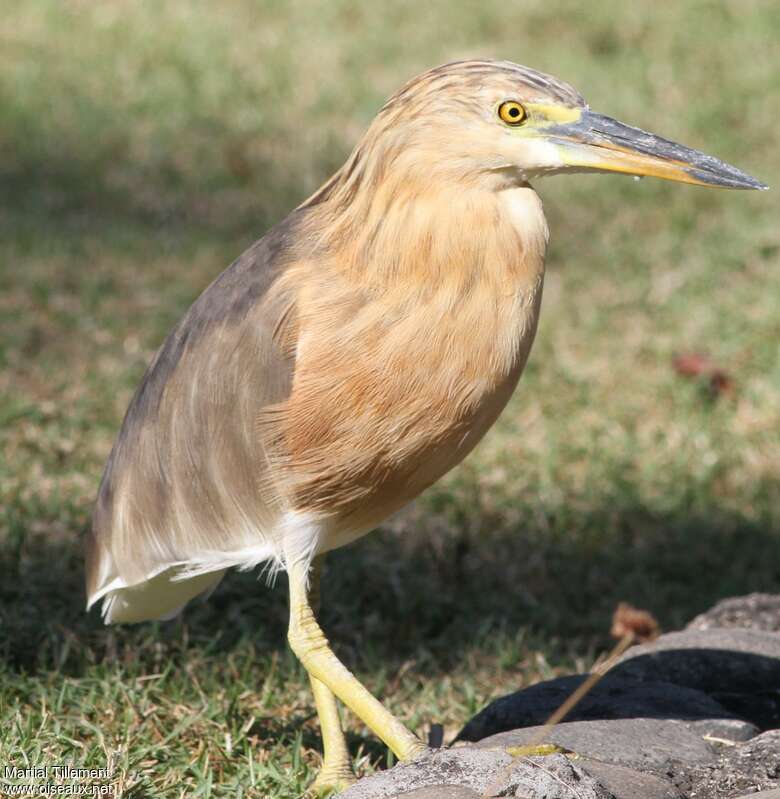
336, 772
310, 645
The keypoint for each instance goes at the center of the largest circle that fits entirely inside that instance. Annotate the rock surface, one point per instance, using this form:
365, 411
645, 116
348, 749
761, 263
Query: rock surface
751, 766
470, 769
627, 783
751, 612
679, 718
439, 792
646, 744
484, 773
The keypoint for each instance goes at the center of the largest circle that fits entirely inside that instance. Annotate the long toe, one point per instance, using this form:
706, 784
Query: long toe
331, 781
415, 751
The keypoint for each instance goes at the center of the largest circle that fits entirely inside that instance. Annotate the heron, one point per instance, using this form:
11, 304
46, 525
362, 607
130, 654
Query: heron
352, 356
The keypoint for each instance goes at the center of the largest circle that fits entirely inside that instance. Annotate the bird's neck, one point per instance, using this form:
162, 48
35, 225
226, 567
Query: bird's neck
410, 233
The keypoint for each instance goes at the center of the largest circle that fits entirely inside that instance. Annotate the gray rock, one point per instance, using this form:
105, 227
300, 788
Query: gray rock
645, 744
740, 669
439, 792
751, 766
485, 772
551, 777
614, 697
668, 722
753, 612
626, 783
720, 730
465, 767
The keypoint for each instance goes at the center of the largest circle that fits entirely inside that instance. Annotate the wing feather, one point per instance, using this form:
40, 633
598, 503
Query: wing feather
187, 481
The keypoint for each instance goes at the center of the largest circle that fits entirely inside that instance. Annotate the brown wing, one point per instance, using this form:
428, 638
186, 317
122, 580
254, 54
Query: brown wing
187, 473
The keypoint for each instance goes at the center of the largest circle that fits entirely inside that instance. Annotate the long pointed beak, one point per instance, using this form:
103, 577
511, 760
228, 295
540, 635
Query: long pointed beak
600, 143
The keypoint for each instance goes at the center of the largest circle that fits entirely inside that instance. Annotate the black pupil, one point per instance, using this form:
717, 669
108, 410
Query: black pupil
514, 112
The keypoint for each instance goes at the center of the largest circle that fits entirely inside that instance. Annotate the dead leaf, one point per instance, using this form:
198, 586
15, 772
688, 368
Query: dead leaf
641, 625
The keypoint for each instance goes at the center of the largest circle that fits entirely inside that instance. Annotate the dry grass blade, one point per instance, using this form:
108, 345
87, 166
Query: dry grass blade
631, 625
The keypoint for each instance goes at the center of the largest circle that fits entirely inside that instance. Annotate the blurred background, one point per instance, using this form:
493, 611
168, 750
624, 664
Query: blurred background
144, 145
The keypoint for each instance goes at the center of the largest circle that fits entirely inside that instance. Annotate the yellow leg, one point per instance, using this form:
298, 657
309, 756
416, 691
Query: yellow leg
336, 772
310, 645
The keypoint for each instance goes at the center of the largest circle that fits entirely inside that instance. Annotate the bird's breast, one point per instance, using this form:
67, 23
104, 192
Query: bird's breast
393, 388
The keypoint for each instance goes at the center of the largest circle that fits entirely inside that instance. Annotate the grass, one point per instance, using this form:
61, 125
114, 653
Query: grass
143, 145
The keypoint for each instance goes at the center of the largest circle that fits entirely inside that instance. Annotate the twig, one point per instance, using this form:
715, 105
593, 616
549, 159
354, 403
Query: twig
582, 690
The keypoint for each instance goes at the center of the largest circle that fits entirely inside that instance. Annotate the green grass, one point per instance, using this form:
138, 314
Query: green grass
143, 145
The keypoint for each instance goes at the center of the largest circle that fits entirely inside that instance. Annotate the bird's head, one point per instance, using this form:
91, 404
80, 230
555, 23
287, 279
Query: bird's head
496, 121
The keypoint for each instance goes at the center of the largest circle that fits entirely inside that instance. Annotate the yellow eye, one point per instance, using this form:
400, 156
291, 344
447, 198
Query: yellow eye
511, 112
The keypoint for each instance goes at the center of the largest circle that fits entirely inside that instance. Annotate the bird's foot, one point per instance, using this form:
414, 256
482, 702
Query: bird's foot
330, 781
416, 752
